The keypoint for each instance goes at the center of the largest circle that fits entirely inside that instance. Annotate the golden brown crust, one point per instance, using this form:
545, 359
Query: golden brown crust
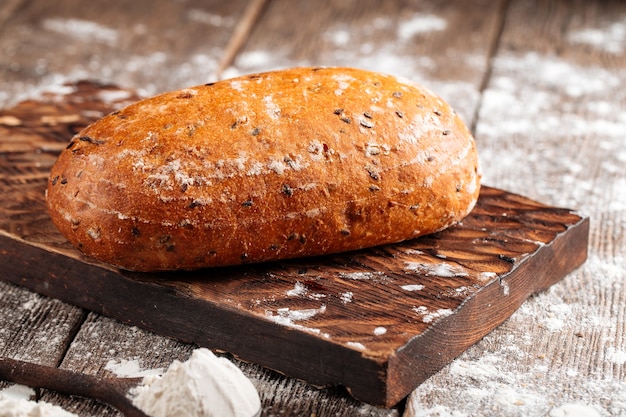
291, 163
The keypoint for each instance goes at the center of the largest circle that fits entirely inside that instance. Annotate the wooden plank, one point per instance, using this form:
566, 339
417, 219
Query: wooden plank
151, 47
325, 320
405, 38
552, 126
35, 328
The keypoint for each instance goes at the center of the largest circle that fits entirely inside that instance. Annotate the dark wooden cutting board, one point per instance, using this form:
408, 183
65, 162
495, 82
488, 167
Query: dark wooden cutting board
377, 321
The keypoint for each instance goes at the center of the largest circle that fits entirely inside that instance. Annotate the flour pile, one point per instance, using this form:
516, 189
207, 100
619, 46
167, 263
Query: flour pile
203, 386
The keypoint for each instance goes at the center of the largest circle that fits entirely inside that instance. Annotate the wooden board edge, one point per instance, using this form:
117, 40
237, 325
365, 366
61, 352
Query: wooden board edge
157, 308
429, 352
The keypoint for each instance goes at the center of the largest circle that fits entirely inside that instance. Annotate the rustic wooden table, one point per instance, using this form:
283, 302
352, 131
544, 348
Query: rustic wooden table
541, 83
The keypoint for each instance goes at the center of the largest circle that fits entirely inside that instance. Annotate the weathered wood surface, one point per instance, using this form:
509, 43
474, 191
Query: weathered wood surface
546, 111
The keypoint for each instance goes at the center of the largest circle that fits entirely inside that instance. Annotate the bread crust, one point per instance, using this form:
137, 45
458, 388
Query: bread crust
283, 164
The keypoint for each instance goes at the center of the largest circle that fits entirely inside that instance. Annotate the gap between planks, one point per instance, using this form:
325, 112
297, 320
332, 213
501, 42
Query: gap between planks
491, 54
7, 10
240, 35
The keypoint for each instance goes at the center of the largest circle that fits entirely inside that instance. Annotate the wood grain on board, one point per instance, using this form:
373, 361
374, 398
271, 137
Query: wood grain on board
325, 320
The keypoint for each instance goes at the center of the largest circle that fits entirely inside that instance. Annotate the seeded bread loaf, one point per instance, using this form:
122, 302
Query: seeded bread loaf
291, 163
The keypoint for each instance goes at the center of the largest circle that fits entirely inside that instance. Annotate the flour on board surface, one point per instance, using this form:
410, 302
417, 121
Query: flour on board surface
379, 331
442, 269
294, 318
376, 276
301, 290
429, 316
356, 345
346, 297
412, 287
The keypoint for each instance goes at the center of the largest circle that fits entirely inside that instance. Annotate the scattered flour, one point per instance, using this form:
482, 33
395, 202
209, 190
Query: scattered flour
379, 331
356, 345
203, 386
340, 37
557, 316
438, 269
212, 19
412, 287
486, 276
111, 96
490, 386
15, 402
506, 290
420, 23
376, 276
543, 108
611, 38
346, 297
547, 100
574, 410
300, 290
252, 59
83, 29
288, 317
617, 356
130, 369
429, 316
293, 318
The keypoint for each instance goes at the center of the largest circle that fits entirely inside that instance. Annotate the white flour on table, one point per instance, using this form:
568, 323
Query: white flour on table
15, 402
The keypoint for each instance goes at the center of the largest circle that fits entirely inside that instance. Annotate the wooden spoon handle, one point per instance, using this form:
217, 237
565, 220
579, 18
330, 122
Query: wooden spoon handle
107, 390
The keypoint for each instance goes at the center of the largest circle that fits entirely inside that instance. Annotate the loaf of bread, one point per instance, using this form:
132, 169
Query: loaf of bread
291, 163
